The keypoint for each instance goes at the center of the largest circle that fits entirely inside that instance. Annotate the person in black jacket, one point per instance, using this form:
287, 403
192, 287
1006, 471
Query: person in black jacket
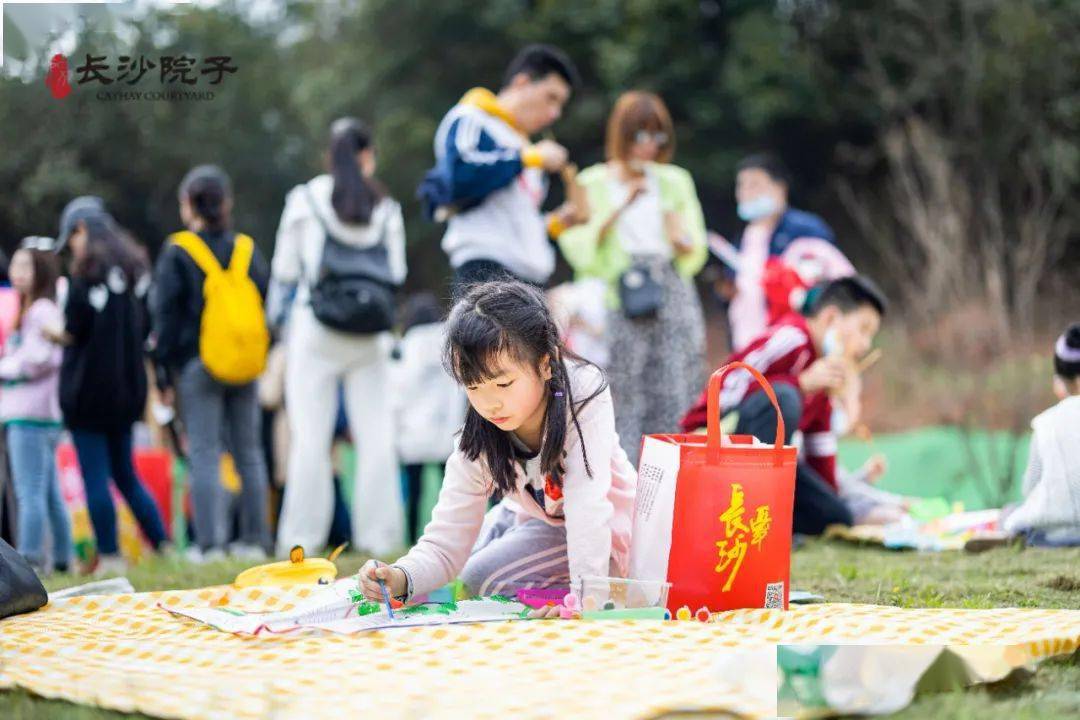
216, 415
103, 379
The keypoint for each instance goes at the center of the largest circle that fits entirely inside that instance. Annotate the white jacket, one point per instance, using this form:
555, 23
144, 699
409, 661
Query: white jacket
1052, 482
429, 405
300, 236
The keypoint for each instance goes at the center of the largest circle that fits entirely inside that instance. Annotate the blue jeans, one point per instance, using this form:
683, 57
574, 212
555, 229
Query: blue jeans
32, 449
102, 456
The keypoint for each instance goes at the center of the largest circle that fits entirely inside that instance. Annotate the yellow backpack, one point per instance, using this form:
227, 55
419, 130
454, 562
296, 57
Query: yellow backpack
233, 337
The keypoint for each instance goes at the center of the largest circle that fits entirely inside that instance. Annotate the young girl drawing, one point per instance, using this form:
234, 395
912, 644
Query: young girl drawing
540, 434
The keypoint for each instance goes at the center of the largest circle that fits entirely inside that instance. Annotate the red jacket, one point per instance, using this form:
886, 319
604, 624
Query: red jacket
781, 353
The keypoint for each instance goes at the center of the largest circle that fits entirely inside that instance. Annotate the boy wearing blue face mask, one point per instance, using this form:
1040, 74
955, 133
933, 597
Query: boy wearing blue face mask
761, 190
807, 360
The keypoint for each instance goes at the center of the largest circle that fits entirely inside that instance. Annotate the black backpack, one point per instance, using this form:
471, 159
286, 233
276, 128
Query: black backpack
353, 291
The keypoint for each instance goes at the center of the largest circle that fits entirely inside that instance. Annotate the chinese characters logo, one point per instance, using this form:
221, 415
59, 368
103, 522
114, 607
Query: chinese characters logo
172, 69
57, 79
738, 536
179, 71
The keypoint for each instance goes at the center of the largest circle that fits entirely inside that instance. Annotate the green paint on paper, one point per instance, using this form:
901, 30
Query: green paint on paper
368, 607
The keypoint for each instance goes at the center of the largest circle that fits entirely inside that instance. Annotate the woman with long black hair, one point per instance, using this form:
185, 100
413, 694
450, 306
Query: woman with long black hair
340, 252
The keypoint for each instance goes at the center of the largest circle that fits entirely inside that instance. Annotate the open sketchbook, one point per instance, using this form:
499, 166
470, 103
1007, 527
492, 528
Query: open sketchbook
335, 610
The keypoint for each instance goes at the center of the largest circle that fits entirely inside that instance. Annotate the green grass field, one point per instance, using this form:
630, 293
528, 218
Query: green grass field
1006, 577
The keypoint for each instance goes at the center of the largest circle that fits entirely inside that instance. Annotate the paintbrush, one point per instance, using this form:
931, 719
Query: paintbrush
385, 592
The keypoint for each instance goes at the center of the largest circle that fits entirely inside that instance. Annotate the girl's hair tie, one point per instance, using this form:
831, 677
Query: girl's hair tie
1065, 352
558, 393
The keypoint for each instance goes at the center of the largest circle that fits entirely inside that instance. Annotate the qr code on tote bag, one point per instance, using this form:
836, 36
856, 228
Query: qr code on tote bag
774, 596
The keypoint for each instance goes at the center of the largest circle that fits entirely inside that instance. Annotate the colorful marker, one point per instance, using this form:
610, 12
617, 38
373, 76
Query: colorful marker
385, 592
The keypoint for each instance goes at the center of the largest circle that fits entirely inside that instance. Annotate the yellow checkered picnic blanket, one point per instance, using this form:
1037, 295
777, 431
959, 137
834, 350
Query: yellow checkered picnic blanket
125, 653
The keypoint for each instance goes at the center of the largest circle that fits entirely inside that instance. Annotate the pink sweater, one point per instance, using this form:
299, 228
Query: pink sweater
30, 368
598, 510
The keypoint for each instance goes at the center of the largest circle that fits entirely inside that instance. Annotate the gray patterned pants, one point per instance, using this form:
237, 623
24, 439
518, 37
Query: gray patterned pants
657, 364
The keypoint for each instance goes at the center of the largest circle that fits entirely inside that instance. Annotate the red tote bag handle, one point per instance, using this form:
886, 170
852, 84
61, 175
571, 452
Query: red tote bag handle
716, 383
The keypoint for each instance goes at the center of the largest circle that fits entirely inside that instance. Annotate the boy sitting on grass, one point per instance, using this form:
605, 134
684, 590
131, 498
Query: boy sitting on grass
807, 360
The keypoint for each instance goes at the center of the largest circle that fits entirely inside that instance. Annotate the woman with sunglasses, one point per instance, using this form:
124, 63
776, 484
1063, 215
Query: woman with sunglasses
646, 239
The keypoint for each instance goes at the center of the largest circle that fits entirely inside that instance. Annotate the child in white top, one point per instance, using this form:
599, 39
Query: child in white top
1050, 511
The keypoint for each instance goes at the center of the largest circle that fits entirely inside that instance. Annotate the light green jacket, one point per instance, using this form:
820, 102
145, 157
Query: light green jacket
589, 258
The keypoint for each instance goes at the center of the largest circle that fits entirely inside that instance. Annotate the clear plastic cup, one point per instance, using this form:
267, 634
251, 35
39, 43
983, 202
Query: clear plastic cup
625, 594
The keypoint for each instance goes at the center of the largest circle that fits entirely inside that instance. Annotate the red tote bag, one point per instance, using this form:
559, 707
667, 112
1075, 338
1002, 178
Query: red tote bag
713, 513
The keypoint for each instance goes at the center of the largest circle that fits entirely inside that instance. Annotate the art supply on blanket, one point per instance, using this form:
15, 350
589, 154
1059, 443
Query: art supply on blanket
655, 613
385, 593
339, 608
540, 597
297, 570
623, 593
447, 593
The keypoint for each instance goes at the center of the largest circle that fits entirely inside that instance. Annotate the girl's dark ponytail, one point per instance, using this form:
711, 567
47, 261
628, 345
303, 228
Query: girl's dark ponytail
354, 197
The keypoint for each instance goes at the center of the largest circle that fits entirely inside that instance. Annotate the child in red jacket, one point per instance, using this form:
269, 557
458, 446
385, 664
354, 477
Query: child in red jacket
807, 360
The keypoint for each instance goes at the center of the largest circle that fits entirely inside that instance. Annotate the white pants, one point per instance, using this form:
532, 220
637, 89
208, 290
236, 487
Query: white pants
318, 358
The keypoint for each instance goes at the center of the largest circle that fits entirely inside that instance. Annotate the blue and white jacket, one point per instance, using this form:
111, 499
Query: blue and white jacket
497, 193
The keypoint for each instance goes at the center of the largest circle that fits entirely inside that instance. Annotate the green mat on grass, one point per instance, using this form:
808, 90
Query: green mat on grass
938, 462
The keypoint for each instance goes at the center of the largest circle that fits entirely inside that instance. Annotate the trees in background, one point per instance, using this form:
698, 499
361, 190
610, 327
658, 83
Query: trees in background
939, 137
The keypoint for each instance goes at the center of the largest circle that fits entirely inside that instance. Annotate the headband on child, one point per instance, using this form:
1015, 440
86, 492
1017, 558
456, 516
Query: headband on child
1066, 353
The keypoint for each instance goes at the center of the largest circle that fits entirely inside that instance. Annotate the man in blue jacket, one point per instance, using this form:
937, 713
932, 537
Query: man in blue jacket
489, 180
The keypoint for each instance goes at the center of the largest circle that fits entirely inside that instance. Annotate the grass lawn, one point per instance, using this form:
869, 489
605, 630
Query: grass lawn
1001, 578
